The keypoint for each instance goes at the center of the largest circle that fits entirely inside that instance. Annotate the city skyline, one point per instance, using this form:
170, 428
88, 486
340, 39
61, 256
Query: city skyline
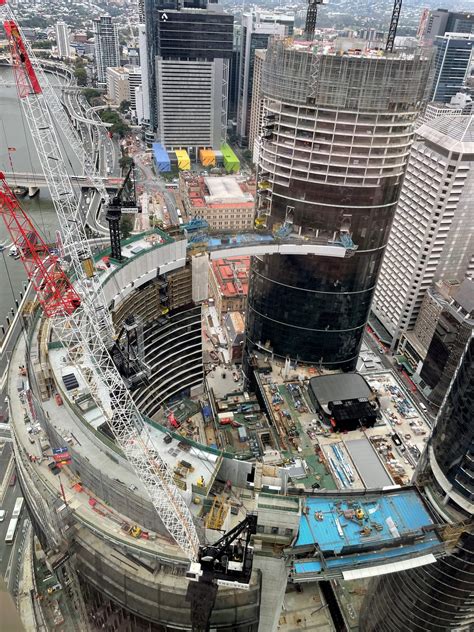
237, 393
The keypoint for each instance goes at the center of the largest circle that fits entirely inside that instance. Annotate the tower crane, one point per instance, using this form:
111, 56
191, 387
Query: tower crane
311, 17
71, 296
58, 112
120, 204
392, 31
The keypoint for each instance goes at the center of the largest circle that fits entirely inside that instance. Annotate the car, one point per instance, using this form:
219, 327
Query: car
3, 513
54, 588
396, 439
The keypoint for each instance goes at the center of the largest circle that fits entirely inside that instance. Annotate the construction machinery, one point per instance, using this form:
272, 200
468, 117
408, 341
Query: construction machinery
311, 18
78, 314
392, 31
125, 201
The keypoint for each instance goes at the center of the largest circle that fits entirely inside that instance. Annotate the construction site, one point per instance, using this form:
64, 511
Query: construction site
165, 491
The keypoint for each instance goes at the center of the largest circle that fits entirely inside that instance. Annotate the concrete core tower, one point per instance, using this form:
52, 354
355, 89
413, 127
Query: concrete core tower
338, 126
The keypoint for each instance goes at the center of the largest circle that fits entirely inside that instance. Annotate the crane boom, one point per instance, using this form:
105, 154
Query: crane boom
55, 292
87, 331
59, 113
75, 244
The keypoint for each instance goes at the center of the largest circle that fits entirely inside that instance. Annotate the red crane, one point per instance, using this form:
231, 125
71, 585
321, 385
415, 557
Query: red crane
55, 292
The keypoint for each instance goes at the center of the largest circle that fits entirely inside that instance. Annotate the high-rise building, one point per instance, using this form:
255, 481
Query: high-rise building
234, 76
438, 596
144, 114
256, 108
454, 327
189, 49
330, 169
431, 237
257, 29
107, 49
62, 40
452, 65
441, 21
122, 83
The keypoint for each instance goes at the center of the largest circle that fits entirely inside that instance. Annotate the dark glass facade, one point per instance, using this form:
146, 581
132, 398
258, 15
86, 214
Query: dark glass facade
445, 350
184, 30
453, 437
194, 34
330, 167
438, 597
451, 66
433, 598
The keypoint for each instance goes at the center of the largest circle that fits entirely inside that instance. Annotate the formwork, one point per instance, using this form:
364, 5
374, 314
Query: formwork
369, 80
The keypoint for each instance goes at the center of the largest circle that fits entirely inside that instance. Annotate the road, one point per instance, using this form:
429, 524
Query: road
154, 184
9, 553
389, 363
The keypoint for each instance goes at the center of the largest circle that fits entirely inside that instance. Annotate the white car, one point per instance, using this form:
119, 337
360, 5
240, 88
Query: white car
3, 513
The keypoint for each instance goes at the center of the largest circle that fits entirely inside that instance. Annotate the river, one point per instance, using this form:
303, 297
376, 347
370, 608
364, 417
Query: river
14, 133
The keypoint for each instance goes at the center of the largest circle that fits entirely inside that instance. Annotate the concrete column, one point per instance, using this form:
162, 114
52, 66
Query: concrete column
274, 580
32, 191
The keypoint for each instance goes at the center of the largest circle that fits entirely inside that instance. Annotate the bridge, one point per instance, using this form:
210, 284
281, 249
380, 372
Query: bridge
257, 243
36, 180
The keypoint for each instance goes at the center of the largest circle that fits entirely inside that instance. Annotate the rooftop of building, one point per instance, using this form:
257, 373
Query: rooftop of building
349, 47
339, 387
465, 296
453, 133
366, 533
458, 297
237, 321
334, 525
218, 191
232, 275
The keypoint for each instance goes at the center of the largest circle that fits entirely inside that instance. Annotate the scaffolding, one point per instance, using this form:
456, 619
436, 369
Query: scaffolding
302, 73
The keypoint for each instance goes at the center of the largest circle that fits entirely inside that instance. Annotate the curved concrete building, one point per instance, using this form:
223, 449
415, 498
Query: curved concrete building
231, 454
84, 516
338, 126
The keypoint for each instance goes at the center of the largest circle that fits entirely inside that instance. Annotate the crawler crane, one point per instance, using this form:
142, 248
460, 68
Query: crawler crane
70, 294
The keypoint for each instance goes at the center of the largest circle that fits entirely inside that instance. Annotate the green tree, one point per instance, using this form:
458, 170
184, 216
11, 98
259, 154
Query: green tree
126, 226
43, 44
118, 126
81, 75
124, 106
91, 94
125, 162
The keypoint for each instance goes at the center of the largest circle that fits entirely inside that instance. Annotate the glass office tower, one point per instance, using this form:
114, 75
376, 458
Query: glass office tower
338, 126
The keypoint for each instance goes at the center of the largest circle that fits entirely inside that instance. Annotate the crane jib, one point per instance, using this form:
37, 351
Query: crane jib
27, 81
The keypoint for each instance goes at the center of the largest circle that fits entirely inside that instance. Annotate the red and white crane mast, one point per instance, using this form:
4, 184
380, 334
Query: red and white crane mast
87, 332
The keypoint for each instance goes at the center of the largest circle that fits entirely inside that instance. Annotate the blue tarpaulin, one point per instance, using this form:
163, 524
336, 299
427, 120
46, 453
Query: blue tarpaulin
161, 158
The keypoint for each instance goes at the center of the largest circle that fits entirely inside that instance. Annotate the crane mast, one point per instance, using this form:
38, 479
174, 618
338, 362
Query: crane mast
87, 332
57, 110
392, 31
74, 302
311, 18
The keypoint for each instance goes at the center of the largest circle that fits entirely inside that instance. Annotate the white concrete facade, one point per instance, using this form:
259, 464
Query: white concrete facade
257, 28
62, 40
256, 107
192, 102
144, 115
432, 233
107, 49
